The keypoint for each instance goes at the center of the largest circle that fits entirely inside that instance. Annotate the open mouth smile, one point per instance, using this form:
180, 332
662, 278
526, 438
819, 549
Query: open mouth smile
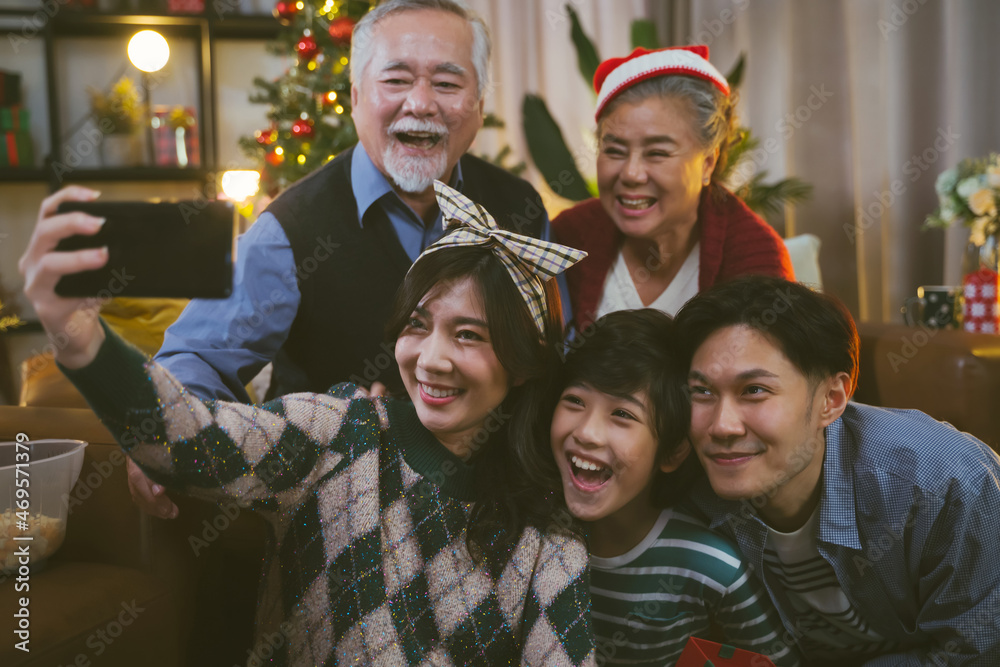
437, 395
420, 140
587, 475
636, 203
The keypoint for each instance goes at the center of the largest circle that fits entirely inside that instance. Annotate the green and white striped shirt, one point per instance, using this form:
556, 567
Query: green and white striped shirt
682, 580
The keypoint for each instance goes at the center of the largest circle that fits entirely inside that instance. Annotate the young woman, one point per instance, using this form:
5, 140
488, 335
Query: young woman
404, 532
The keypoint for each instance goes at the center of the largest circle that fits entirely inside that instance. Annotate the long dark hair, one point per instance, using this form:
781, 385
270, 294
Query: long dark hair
507, 499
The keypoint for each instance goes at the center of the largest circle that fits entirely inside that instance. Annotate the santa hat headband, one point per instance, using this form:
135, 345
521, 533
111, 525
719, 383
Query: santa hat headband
617, 74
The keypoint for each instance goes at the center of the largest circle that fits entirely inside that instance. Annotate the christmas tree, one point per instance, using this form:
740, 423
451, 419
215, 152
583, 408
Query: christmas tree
310, 105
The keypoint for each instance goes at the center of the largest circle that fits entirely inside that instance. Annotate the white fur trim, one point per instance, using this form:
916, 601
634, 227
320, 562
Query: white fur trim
675, 61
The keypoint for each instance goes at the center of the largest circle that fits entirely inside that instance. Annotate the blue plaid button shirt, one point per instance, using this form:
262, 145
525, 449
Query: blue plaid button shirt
910, 522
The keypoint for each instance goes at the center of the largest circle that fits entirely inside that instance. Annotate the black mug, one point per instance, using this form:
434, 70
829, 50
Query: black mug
935, 307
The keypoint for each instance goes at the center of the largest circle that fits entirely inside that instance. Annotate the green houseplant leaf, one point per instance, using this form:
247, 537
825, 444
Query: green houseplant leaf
735, 76
644, 34
549, 151
586, 53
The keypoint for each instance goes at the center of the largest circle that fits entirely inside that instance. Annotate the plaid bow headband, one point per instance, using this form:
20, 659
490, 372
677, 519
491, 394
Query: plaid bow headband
529, 261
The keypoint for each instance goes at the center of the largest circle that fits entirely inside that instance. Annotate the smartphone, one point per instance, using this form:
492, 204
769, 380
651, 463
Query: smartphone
167, 250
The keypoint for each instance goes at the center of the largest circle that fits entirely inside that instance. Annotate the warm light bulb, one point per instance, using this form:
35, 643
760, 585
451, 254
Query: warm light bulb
240, 184
279, 151
331, 96
148, 50
339, 109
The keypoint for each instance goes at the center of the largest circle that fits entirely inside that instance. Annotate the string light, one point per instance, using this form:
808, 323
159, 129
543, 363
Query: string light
339, 109
331, 96
279, 151
301, 159
343, 60
311, 66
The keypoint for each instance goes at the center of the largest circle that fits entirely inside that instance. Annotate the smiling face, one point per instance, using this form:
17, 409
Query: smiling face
757, 423
606, 453
650, 166
448, 364
415, 105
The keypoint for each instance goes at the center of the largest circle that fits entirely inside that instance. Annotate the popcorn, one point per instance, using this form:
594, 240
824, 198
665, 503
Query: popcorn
47, 533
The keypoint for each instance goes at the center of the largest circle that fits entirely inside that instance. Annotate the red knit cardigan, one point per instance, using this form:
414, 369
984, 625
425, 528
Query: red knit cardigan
734, 241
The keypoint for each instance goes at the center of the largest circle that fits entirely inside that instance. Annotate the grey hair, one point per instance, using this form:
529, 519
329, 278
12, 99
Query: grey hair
482, 45
714, 125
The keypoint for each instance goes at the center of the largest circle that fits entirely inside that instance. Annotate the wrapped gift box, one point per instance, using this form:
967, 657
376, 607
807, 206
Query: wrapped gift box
703, 653
981, 309
16, 149
10, 88
14, 118
175, 143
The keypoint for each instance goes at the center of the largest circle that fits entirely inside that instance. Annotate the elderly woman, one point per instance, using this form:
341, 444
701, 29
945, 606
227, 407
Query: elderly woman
663, 228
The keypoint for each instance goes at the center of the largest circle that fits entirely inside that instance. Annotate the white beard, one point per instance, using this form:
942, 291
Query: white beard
413, 174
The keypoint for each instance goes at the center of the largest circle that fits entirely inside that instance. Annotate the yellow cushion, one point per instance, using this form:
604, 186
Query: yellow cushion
142, 321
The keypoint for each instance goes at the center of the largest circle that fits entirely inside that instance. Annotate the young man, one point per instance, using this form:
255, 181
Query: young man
873, 530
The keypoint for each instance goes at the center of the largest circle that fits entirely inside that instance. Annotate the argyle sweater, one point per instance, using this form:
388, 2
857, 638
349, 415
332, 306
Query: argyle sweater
368, 512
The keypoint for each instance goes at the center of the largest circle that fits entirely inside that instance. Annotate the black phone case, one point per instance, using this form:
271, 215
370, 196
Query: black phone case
166, 250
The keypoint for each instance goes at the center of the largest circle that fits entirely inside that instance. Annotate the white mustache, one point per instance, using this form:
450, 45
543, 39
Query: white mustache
417, 125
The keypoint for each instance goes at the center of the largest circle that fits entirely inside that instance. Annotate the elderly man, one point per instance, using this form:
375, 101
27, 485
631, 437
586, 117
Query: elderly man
317, 272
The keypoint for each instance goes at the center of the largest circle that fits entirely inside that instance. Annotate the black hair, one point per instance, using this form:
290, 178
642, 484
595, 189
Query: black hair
620, 354
814, 331
508, 499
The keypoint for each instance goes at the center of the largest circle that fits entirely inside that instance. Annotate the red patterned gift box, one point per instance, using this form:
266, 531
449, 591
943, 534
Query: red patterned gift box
981, 312
703, 653
175, 137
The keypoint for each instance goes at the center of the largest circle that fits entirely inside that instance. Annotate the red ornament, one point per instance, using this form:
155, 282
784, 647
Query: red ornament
303, 129
264, 137
274, 158
341, 30
307, 48
285, 11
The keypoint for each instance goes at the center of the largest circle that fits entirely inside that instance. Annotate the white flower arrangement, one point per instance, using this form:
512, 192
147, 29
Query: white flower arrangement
970, 194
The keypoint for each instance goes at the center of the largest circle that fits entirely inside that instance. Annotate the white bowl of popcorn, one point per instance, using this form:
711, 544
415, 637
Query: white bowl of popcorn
36, 477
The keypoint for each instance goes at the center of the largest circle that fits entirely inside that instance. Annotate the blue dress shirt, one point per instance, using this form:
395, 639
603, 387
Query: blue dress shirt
217, 346
910, 522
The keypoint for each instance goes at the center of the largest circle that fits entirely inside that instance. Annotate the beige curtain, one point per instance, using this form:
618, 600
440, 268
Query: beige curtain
533, 53
868, 100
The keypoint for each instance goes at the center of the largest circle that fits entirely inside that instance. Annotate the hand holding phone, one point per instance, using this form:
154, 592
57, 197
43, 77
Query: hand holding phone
167, 250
